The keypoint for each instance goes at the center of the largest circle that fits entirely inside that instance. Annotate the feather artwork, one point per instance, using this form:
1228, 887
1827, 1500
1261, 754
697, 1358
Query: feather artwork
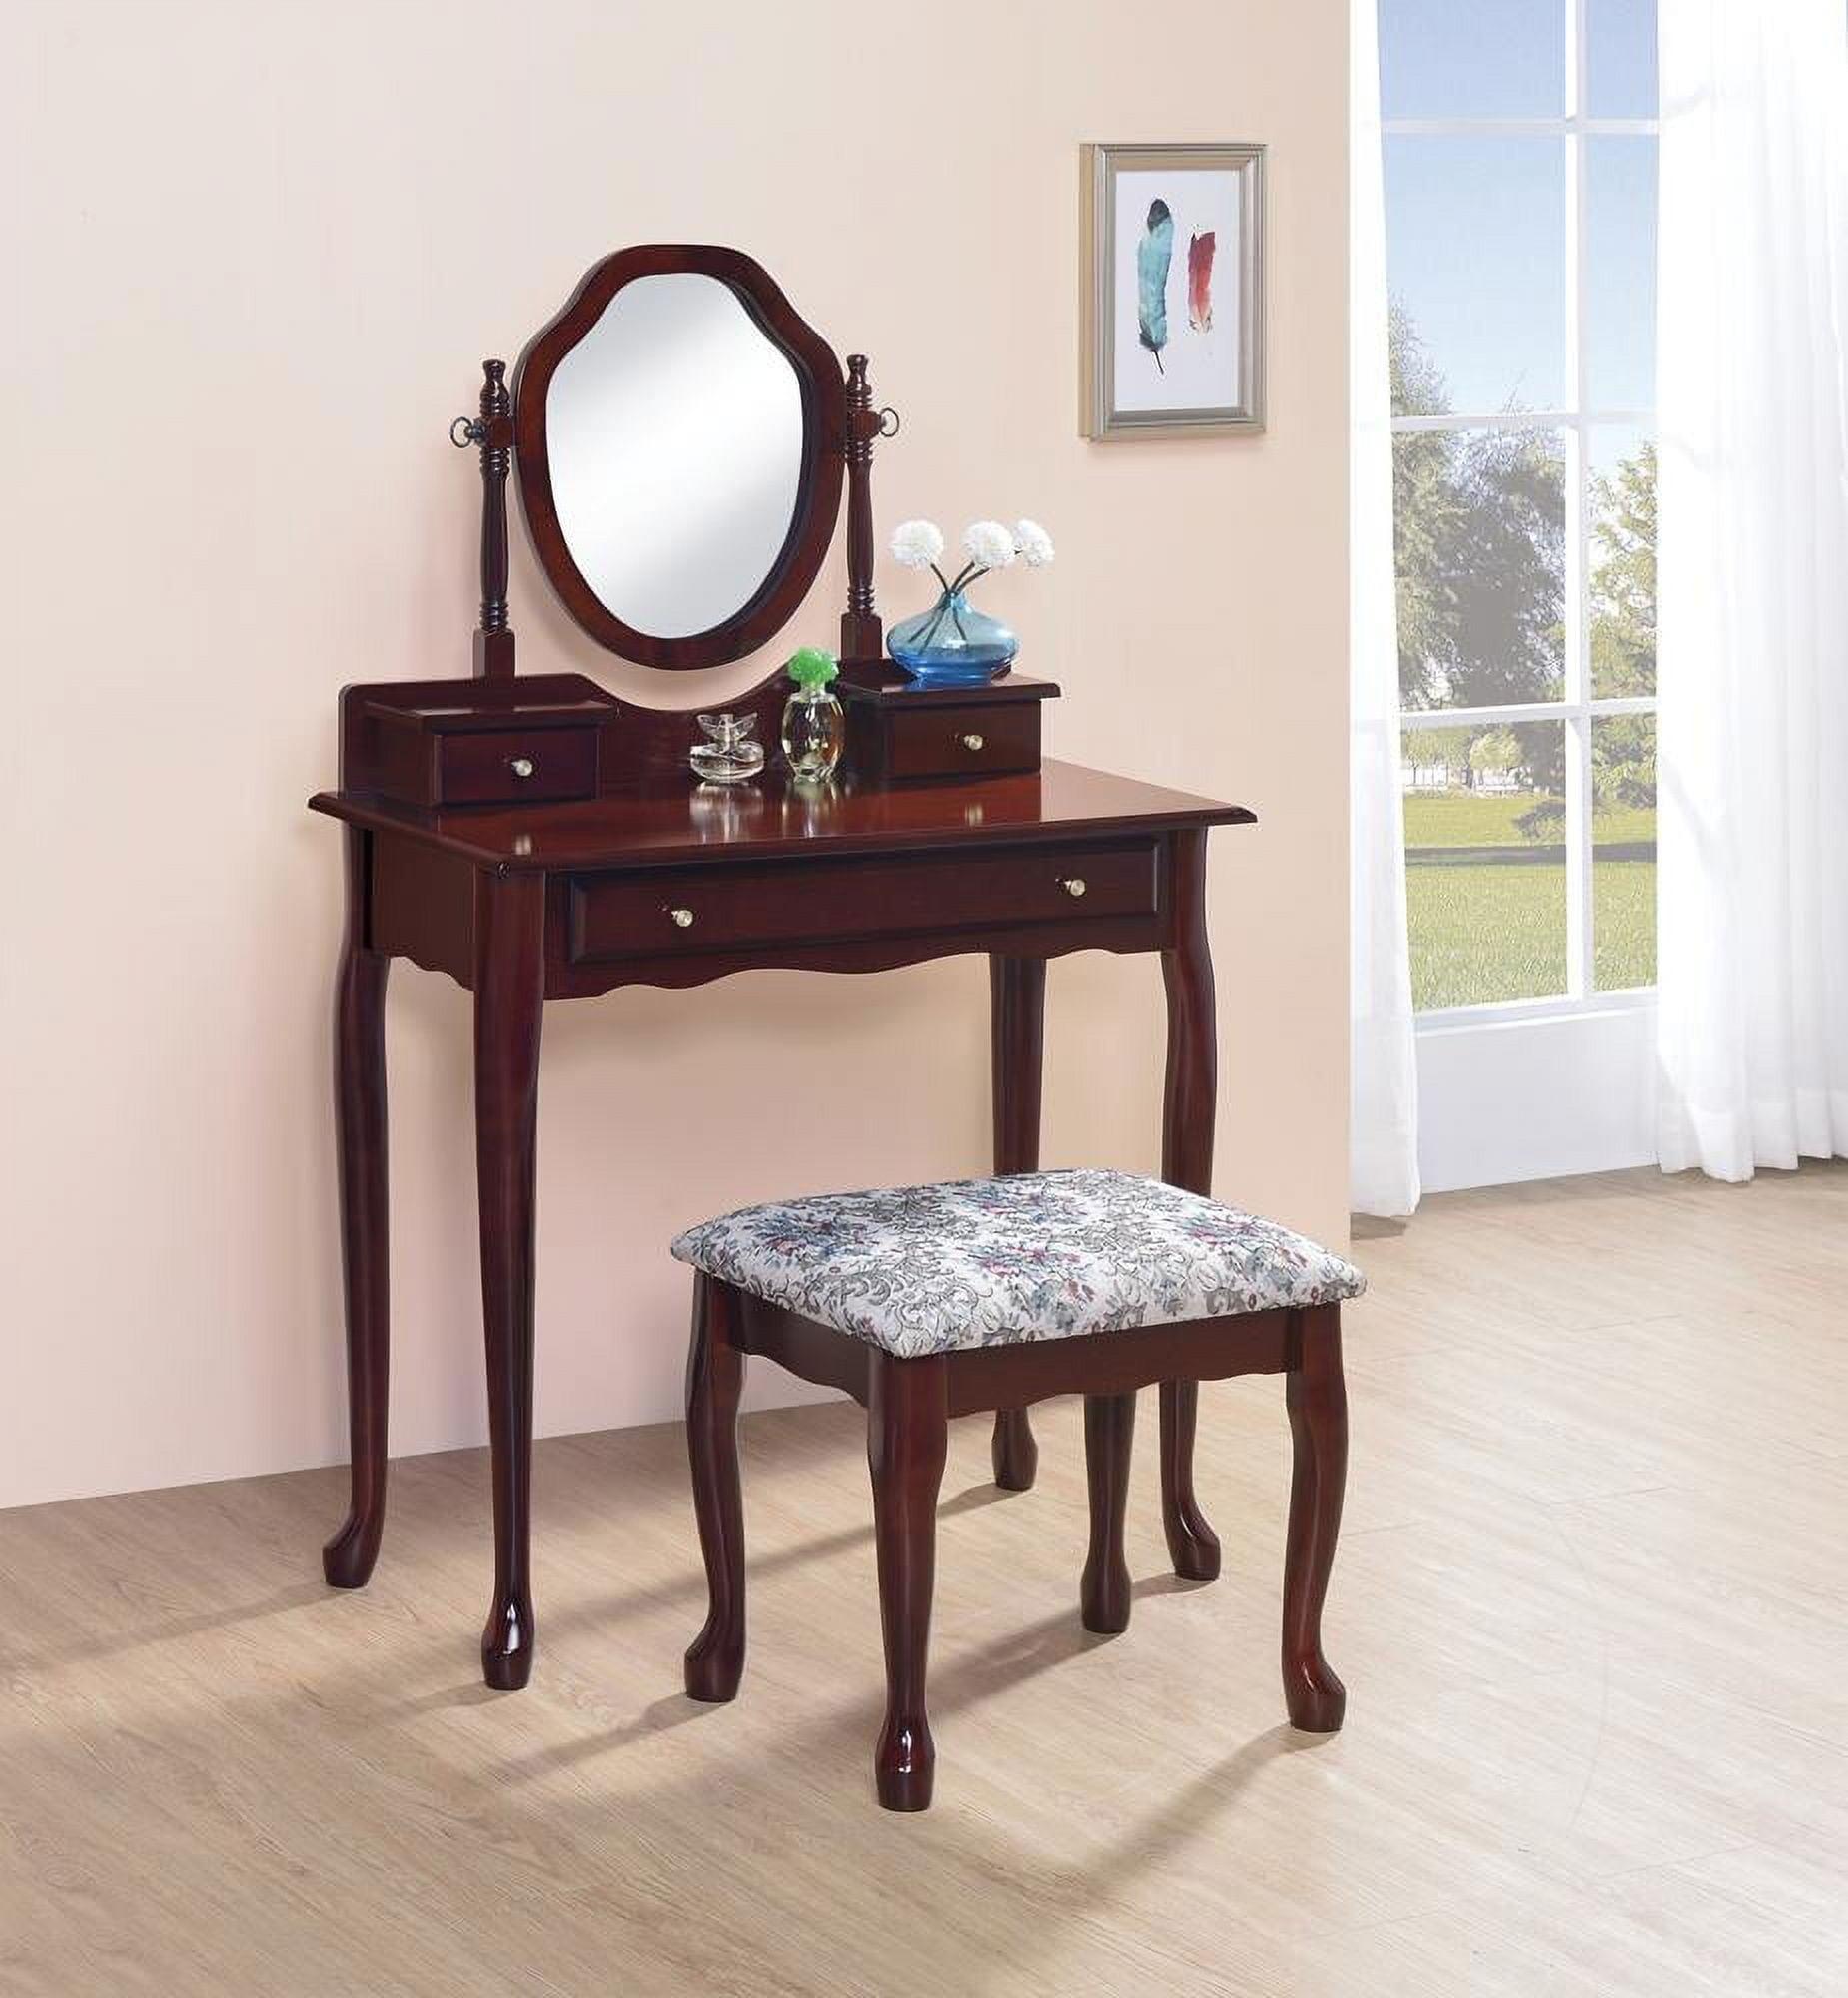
1200, 281
1154, 254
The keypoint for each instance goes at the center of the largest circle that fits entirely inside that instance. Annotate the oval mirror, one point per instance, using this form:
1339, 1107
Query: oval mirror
678, 435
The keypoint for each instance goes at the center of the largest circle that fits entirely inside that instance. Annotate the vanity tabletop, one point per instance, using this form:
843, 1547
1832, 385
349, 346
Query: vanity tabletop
770, 818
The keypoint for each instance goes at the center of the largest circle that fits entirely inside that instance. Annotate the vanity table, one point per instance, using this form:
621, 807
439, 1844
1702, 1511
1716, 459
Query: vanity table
682, 439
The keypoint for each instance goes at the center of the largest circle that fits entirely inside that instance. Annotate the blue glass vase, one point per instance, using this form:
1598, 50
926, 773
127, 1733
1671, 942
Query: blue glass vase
952, 644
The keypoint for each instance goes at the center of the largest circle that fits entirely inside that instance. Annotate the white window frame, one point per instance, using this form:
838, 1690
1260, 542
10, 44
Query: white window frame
1579, 709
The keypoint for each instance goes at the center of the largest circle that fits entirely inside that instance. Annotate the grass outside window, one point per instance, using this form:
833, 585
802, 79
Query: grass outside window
1486, 901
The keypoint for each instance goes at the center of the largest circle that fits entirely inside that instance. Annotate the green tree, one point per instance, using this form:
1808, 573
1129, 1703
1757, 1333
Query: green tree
1508, 577
1455, 748
1480, 547
1426, 511
1623, 578
1479, 541
1498, 749
1623, 630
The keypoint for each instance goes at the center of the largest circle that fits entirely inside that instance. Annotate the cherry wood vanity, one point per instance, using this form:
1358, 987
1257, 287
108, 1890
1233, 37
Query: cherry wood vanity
536, 838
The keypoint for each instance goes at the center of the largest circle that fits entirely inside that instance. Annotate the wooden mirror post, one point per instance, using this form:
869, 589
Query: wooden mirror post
492, 431
861, 635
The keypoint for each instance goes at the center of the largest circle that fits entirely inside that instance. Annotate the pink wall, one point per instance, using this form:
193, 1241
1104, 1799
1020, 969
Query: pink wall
256, 255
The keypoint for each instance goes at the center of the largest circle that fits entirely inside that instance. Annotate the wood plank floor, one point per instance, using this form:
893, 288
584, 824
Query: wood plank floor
1591, 1608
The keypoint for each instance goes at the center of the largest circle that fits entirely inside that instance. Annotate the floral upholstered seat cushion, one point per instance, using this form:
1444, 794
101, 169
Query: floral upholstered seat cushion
928, 1269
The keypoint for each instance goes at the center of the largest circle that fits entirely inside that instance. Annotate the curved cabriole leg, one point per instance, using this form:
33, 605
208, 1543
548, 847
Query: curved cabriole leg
1103, 1593
1017, 1021
1189, 1096
510, 984
907, 1436
360, 1142
1317, 1397
714, 1380
1193, 1546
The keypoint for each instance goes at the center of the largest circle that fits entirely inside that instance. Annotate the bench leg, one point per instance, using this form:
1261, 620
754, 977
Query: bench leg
1013, 1452
907, 1436
714, 1380
1317, 1397
1193, 1546
1104, 1593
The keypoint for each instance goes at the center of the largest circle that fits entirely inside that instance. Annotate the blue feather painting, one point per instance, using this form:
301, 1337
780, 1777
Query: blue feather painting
1153, 256
1171, 289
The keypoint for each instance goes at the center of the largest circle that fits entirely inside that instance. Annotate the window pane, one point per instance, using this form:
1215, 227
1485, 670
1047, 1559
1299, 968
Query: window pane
1621, 562
1480, 541
1623, 849
1472, 58
1621, 180
1485, 862
1475, 260
1621, 56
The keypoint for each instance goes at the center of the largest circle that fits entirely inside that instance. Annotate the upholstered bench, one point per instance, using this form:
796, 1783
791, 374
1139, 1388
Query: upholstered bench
929, 1301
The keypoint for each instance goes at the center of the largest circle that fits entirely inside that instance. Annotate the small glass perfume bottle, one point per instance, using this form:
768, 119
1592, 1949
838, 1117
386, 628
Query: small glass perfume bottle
814, 726
731, 752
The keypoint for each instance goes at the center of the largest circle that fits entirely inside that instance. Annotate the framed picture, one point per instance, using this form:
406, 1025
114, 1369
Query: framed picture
1173, 289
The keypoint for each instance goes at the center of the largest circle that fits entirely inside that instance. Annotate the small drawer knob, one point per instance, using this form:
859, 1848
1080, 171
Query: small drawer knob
682, 918
973, 743
1074, 885
522, 766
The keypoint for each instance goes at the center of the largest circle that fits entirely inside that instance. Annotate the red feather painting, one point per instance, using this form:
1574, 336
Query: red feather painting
1200, 279
1174, 313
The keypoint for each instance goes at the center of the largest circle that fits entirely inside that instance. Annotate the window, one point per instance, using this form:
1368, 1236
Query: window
1521, 173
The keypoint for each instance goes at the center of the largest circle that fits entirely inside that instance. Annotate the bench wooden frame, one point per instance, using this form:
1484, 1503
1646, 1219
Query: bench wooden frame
908, 1406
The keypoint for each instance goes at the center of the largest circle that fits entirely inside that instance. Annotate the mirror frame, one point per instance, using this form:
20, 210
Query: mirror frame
824, 433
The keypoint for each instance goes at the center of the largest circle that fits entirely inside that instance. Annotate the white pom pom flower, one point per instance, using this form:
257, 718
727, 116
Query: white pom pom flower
916, 543
1034, 544
989, 543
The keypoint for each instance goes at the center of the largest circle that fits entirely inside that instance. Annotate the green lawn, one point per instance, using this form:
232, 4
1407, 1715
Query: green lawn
1486, 927
1460, 819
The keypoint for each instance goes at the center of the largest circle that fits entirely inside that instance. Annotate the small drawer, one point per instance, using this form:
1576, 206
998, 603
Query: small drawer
517, 767
668, 910
963, 741
898, 733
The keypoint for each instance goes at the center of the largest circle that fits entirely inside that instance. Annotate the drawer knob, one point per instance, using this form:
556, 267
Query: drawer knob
1074, 885
973, 743
682, 918
522, 766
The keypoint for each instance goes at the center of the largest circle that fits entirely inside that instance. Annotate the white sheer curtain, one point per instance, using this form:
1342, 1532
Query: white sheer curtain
1753, 560
1384, 1085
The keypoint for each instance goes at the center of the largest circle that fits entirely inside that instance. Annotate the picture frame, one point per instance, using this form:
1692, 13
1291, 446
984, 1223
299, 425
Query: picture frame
1171, 327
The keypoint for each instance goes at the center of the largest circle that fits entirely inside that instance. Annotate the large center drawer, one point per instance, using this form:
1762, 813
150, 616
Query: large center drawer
667, 910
